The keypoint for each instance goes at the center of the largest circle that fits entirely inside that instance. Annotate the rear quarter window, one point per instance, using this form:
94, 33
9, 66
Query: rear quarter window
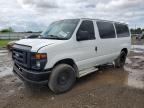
122, 30
106, 29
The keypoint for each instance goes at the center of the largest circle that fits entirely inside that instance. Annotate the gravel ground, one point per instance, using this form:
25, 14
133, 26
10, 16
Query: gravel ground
106, 88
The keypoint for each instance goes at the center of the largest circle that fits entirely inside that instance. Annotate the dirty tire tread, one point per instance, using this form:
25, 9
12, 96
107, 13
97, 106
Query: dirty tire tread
117, 61
53, 83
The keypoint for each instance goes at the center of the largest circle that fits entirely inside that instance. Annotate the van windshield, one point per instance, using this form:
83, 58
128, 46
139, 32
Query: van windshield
60, 30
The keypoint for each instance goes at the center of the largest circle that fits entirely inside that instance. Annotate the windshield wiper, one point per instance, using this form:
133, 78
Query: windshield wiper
53, 37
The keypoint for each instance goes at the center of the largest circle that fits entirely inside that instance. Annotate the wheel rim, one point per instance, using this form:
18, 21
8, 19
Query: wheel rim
63, 78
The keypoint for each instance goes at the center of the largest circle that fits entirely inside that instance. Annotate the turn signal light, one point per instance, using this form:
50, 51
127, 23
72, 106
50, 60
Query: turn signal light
40, 56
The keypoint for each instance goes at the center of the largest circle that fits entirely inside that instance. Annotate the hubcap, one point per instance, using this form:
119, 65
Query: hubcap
63, 78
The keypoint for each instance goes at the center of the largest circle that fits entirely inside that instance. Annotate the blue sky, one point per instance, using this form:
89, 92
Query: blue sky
36, 15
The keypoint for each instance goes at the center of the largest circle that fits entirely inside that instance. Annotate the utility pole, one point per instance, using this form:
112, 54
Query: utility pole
135, 28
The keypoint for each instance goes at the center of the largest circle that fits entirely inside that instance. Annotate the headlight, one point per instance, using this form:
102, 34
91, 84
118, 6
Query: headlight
38, 61
38, 64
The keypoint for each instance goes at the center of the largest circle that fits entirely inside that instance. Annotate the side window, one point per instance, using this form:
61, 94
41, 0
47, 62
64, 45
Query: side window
106, 30
122, 30
86, 31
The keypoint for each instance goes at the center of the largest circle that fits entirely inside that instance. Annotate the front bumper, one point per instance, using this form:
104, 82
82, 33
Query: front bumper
32, 77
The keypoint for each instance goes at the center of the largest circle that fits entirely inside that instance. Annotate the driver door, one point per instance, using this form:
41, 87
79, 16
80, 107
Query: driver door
86, 45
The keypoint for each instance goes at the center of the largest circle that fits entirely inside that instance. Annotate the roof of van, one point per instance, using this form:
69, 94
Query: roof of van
104, 20
99, 20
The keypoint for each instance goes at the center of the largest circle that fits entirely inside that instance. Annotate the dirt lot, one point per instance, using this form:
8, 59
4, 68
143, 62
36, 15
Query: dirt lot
107, 88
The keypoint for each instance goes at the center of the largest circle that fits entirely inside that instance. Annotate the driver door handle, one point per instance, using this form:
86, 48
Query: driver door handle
96, 48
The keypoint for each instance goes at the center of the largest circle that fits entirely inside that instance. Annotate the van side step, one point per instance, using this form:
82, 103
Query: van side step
87, 71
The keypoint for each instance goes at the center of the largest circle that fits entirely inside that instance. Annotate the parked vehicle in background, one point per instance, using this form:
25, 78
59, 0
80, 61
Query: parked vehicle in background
70, 49
139, 37
31, 36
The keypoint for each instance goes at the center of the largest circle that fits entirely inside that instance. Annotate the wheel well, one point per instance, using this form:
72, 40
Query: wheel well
69, 62
125, 50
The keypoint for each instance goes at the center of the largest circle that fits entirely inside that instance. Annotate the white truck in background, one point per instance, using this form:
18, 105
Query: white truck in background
70, 49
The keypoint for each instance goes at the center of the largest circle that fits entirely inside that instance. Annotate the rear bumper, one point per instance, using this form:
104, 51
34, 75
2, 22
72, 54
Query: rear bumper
32, 77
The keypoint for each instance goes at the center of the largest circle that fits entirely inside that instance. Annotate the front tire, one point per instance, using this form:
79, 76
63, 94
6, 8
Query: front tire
120, 61
62, 78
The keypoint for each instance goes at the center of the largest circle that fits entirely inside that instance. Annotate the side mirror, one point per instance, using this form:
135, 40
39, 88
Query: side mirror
82, 35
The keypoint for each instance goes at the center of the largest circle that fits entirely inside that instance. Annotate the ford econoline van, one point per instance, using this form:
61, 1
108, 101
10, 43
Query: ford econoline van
69, 49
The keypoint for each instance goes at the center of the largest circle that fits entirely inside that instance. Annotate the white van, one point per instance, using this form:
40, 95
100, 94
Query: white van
69, 49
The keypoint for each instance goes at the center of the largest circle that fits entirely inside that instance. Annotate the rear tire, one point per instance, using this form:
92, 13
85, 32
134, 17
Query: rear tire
120, 61
62, 78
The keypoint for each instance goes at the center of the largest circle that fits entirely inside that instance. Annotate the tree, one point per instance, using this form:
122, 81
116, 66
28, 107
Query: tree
7, 30
132, 31
137, 31
29, 32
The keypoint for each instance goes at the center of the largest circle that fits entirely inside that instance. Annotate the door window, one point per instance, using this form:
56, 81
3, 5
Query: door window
86, 31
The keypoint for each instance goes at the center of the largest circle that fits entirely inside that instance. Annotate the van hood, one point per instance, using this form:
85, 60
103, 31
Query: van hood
37, 43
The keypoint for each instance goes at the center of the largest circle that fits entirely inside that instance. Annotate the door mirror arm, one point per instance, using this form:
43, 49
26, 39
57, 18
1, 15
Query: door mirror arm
82, 35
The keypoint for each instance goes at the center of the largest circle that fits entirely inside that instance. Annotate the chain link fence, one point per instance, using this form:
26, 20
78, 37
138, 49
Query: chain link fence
15, 36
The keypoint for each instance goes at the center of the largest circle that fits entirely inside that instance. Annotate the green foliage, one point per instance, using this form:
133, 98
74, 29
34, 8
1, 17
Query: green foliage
7, 30
137, 31
4, 42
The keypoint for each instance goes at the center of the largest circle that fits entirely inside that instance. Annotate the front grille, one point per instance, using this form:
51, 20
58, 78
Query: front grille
21, 56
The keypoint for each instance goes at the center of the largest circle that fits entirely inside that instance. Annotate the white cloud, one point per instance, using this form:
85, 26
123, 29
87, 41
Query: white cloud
37, 14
